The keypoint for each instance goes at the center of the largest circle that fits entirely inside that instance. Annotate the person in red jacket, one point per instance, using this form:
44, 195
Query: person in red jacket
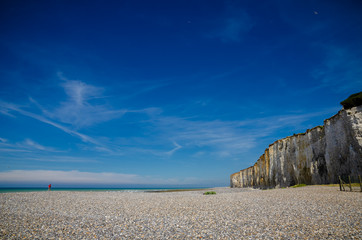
49, 187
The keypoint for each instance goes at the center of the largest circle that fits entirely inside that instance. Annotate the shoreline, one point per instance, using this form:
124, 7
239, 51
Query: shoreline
35, 189
178, 190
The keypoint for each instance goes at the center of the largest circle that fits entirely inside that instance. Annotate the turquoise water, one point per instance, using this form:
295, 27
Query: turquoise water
7, 190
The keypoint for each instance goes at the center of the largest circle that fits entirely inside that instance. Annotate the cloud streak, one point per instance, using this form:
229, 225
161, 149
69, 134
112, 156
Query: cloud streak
221, 138
171, 136
177, 147
66, 177
8, 107
81, 109
26, 146
74, 177
32, 144
225, 138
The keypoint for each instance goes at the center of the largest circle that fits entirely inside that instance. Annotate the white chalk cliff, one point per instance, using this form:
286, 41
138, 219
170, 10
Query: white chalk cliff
317, 156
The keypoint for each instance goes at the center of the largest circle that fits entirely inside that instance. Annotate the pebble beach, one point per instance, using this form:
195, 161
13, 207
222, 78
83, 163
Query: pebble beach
312, 212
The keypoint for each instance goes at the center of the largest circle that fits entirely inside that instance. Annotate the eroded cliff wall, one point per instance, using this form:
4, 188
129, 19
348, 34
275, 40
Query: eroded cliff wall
317, 156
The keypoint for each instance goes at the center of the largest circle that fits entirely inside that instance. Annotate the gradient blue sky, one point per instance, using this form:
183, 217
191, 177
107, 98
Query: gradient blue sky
173, 93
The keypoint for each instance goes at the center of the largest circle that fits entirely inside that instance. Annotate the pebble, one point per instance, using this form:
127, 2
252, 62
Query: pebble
313, 212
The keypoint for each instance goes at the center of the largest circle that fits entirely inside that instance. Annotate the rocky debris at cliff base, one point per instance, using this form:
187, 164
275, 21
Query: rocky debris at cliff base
312, 212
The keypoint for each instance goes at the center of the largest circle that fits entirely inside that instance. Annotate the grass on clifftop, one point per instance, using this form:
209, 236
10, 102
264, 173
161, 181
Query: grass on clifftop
352, 101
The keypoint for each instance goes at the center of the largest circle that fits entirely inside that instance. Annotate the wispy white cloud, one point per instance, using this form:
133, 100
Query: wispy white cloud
14, 108
32, 157
77, 111
80, 93
136, 88
217, 136
170, 134
65, 159
82, 109
65, 177
226, 138
6, 108
177, 147
75, 177
28, 145
220, 139
13, 149
173, 134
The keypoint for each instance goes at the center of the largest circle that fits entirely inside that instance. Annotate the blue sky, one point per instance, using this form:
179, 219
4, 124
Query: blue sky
171, 93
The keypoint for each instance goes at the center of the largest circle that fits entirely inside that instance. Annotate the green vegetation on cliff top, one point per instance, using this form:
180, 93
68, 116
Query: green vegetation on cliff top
352, 101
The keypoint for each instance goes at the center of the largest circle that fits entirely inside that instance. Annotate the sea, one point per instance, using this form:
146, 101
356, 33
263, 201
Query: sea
34, 189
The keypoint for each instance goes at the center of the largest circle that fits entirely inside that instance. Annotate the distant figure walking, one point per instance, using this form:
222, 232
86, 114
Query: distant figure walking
49, 187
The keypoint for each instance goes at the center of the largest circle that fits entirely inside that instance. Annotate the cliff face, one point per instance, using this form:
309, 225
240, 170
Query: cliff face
318, 156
